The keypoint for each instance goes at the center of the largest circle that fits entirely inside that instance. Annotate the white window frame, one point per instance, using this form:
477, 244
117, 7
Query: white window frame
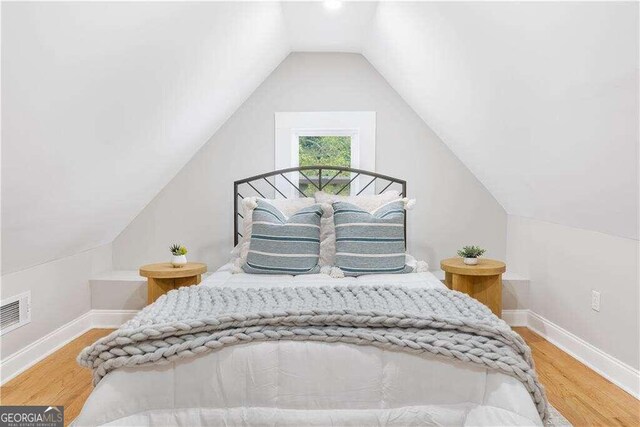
359, 125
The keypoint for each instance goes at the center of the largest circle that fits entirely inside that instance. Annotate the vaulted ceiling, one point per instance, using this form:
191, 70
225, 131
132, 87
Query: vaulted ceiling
103, 103
538, 99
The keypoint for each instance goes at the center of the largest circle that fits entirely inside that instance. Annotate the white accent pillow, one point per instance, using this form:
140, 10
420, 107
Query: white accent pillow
287, 206
418, 266
368, 203
327, 227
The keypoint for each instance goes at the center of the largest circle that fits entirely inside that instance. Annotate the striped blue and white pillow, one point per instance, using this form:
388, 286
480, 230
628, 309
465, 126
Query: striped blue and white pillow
284, 246
370, 243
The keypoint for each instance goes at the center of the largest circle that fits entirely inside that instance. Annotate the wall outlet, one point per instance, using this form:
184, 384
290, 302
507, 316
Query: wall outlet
595, 300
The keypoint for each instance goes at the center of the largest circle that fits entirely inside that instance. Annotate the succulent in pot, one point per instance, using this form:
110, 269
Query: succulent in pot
178, 255
471, 254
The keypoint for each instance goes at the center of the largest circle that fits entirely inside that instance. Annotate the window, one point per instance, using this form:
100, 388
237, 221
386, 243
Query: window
328, 149
324, 150
324, 139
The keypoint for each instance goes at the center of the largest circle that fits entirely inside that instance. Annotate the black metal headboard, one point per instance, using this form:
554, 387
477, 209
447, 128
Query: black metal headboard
330, 179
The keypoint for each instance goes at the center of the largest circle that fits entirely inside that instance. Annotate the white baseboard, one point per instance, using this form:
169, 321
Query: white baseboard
110, 318
619, 373
23, 359
516, 317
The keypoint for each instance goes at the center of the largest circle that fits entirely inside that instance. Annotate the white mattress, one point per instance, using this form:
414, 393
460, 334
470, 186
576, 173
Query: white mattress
309, 383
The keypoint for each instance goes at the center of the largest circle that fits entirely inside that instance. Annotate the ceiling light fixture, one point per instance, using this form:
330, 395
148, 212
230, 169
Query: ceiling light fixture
333, 4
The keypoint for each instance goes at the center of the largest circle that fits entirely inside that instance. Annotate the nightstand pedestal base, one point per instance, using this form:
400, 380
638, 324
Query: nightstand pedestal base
158, 287
486, 289
482, 281
163, 277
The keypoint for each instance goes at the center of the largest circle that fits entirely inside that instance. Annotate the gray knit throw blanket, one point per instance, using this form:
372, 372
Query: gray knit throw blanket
195, 320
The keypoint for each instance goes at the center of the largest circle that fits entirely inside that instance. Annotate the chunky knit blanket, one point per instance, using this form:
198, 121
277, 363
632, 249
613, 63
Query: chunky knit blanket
194, 320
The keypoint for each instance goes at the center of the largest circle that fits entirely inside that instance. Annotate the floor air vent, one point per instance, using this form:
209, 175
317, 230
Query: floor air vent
15, 312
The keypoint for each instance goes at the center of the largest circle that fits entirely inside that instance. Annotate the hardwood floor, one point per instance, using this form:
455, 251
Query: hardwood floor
56, 380
580, 394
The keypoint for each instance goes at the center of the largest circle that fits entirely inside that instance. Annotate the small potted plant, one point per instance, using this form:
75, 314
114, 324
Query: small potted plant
471, 254
178, 258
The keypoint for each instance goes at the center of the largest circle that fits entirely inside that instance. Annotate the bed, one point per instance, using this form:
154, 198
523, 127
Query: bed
304, 381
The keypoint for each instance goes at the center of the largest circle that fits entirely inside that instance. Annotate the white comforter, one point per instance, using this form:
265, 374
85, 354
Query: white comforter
294, 383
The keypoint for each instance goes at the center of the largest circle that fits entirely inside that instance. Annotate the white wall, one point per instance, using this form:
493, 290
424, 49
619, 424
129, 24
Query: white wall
104, 102
196, 206
539, 99
565, 264
59, 294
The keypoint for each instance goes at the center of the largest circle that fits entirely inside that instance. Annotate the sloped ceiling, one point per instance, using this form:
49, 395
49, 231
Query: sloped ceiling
103, 103
314, 28
539, 100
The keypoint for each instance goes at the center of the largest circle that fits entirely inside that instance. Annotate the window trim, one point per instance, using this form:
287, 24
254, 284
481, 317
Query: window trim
359, 125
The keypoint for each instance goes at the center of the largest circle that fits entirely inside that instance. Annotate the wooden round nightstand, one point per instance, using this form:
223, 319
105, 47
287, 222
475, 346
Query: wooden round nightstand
482, 281
163, 277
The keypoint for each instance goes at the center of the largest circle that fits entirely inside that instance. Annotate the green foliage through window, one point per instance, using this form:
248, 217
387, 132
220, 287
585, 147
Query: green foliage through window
325, 151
